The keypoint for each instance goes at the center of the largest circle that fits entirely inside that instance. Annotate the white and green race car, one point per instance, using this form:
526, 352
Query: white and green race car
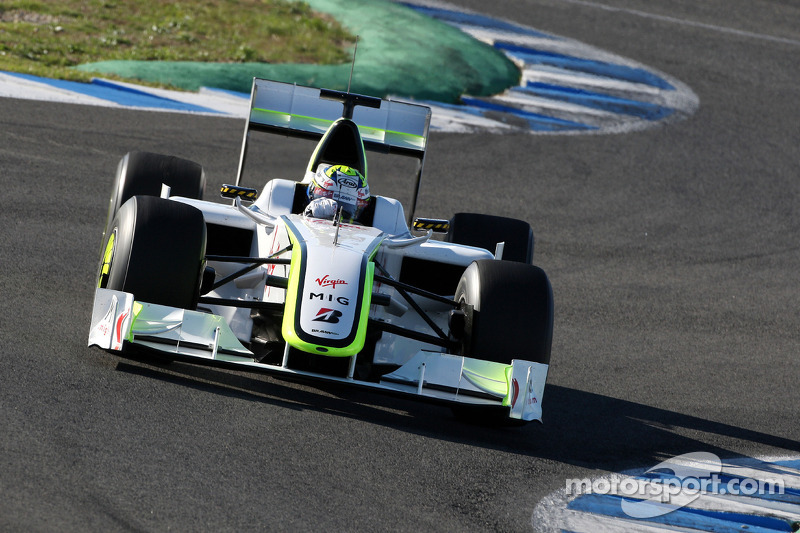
464, 319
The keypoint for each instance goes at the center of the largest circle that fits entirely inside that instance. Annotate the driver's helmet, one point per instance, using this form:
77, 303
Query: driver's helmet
345, 185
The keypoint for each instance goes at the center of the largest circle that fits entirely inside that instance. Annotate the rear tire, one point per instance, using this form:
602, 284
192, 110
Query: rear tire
508, 310
155, 250
143, 173
485, 231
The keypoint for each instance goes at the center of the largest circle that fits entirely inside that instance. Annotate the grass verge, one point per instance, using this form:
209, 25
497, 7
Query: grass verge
46, 38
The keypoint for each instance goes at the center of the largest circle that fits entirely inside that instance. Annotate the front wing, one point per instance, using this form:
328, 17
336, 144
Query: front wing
117, 320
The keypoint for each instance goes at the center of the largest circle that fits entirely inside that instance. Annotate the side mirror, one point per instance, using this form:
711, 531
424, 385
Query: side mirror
433, 224
235, 191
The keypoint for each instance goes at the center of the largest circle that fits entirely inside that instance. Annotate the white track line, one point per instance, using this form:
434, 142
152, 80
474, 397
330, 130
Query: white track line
684, 22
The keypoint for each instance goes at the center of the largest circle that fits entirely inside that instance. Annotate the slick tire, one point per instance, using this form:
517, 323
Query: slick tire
485, 231
155, 250
143, 173
508, 312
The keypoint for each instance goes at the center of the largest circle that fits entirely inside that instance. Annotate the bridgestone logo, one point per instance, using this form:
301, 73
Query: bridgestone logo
331, 316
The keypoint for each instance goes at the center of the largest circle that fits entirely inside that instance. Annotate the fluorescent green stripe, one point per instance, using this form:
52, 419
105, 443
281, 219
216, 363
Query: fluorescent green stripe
135, 311
488, 376
292, 294
366, 300
107, 255
394, 138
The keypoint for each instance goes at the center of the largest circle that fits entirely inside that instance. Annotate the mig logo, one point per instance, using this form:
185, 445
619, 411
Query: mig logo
331, 316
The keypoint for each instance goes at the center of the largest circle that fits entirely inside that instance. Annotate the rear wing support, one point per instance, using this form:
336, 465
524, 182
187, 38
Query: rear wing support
386, 126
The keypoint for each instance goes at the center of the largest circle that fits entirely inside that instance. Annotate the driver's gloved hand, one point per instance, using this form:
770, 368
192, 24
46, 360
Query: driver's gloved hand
321, 208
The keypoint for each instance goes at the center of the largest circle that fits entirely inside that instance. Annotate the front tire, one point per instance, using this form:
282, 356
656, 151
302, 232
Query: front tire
508, 314
508, 310
155, 250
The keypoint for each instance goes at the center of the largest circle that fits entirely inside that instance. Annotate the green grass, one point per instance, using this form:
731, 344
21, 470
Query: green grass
47, 38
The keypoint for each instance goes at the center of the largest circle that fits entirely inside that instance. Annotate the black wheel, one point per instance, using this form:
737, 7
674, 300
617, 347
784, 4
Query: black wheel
155, 250
485, 231
143, 173
508, 311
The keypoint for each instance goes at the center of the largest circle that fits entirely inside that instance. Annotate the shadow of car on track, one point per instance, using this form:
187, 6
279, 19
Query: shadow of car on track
580, 428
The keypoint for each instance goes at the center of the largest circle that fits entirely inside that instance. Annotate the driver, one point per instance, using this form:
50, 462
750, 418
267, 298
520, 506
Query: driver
335, 187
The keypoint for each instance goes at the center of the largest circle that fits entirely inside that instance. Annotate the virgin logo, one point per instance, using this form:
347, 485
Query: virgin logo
325, 281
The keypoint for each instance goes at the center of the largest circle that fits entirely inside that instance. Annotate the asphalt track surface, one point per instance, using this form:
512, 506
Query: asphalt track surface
673, 255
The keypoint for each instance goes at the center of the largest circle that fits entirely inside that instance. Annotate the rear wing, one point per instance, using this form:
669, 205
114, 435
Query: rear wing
386, 126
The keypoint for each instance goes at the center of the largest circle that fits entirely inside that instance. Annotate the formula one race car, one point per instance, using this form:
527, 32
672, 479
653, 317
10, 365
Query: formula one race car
261, 283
